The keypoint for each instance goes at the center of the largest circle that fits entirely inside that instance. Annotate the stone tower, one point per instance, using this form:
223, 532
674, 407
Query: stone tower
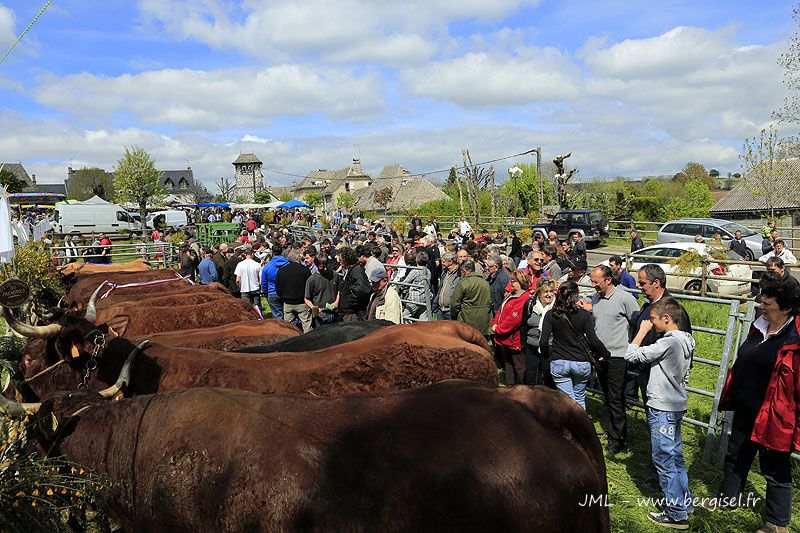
249, 179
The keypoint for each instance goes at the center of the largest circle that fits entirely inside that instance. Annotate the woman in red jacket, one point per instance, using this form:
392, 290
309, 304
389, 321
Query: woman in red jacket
762, 391
506, 327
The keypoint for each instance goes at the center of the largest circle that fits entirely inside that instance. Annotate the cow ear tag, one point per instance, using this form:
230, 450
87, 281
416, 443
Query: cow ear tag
54, 421
74, 352
111, 331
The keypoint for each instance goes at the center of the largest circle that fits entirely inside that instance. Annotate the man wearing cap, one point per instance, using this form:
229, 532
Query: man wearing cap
207, 270
187, 260
576, 271
248, 277
385, 302
636, 241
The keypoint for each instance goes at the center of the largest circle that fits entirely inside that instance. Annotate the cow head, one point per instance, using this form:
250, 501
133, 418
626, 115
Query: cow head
63, 401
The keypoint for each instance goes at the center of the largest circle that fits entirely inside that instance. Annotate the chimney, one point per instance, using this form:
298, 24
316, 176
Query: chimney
355, 170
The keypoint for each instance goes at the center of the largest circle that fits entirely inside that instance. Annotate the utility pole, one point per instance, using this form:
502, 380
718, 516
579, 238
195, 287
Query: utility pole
541, 185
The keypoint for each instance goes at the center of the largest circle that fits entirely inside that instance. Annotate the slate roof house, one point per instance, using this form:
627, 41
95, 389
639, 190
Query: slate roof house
745, 206
329, 183
408, 192
22, 175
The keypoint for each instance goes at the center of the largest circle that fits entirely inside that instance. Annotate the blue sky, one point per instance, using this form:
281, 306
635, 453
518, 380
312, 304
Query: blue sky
631, 88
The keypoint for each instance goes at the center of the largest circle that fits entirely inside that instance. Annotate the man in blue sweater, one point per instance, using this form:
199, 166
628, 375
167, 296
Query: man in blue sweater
268, 274
207, 269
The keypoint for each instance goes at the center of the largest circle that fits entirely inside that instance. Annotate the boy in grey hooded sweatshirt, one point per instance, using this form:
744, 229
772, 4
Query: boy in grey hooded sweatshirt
669, 360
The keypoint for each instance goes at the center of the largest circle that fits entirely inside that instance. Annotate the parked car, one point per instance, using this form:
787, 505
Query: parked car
662, 254
685, 230
588, 222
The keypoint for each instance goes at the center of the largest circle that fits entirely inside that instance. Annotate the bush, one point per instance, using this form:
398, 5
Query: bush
34, 266
177, 237
526, 235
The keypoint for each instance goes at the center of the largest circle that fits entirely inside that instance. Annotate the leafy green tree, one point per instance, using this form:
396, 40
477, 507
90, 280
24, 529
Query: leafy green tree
285, 197
694, 201
9, 180
262, 197
345, 200
313, 198
137, 180
522, 193
694, 170
87, 182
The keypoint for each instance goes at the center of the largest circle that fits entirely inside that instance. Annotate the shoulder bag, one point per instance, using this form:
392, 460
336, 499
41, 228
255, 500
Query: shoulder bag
593, 359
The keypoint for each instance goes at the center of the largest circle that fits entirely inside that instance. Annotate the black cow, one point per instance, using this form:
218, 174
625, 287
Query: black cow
319, 338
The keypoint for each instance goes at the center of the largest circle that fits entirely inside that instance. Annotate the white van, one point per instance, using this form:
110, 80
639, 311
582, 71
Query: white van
172, 218
93, 218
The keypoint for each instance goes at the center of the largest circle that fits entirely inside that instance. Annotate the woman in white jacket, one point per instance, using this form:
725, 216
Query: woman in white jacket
537, 371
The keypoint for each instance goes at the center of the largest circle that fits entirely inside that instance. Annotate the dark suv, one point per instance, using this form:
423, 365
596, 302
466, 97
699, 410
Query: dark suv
588, 222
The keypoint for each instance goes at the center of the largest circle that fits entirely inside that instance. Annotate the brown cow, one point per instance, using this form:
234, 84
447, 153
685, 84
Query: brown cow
80, 293
133, 321
228, 336
454, 456
75, 270
392, 358
174, 290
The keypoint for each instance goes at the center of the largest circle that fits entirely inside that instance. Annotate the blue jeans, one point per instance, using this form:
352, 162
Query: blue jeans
667, 449
571, 378
275, 306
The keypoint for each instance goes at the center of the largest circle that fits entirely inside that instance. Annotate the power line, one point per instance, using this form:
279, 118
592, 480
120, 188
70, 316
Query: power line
420, 174
21, 35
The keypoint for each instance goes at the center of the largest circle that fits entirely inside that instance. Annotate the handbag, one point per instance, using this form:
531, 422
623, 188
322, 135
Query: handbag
593, 359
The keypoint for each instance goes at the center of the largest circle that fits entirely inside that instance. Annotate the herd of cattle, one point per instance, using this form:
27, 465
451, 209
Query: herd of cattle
204, 417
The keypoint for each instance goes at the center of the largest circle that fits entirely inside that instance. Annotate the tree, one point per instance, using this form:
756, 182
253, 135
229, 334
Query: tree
313, 198
225, 188
476, 179
790, 62
521, 194
285, 197
87, 182
763, 161
262, 197
383, 197
137, 180
694, 170
345, 200
561, 179
694, 201
9, 180
452, 178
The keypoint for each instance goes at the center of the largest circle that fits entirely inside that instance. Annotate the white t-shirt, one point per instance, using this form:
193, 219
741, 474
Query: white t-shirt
464, 227
249, 273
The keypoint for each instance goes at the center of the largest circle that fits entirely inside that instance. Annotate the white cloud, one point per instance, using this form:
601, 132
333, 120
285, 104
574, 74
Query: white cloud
7, 28
345, 30
212, 100
480, 80
253, 139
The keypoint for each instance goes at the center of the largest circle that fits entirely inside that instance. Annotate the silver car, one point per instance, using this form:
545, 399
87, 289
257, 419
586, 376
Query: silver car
686, 229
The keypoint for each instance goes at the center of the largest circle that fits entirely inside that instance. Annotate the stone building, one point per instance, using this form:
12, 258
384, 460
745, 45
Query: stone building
249, 179
329, 183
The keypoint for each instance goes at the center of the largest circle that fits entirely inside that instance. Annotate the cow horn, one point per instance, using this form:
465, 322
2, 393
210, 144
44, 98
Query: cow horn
34, 332
91, 310
17, 410
62, 303
125, 374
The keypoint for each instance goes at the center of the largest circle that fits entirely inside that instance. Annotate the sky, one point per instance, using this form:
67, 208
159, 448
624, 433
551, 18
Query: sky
629, 88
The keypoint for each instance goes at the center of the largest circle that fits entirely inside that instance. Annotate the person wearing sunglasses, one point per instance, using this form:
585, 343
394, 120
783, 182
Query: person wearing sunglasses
534, 269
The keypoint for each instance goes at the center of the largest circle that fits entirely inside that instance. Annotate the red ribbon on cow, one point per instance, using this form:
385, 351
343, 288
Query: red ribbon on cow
143, 283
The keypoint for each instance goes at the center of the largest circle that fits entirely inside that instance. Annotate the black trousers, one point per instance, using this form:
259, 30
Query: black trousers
776, 467
612, 379
537, 369
513, 364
